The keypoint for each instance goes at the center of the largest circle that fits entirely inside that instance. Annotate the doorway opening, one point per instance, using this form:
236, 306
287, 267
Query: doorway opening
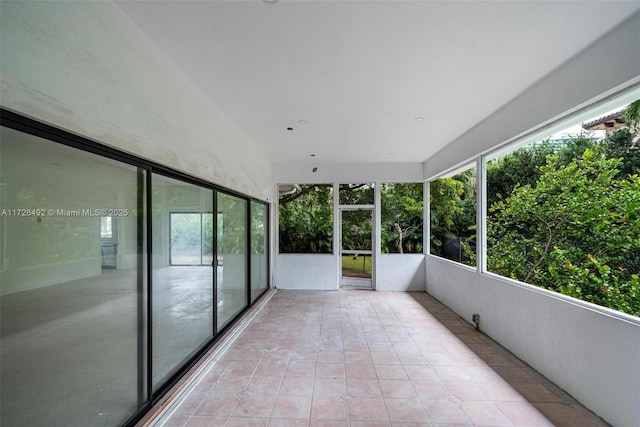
356, 247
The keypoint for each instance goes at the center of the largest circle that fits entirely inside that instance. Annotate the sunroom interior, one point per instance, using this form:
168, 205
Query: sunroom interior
127, 125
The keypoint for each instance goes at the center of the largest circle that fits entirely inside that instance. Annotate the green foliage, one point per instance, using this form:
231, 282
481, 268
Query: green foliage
306, 220
520, 167
361, 263
575, 231
575, 148
356, 194
258, 228
453, 214
306, 224
631, 116
600, 284
445, 204
565, 217
232, 233
623, 144
186, 228
357, 230
402, 218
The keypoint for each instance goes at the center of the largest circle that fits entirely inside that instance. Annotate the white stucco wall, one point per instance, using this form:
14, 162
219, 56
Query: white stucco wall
84, 67
400, 272
318, 272
394, 272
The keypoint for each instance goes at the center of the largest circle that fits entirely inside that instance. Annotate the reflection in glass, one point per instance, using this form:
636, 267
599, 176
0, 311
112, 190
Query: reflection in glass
186, 238
182, 318
73, 285
259, 243
191, 238
231, 257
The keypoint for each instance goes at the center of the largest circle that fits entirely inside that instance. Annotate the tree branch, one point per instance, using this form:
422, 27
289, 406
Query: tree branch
305, 190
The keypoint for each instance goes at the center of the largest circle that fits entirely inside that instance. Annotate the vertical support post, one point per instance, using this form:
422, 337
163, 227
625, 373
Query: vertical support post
248, 255
214, 263
142, 342
377, 227
148, 220
337, 232
426, 233
481, 214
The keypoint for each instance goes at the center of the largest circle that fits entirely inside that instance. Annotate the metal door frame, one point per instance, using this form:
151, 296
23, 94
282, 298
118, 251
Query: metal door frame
353, 282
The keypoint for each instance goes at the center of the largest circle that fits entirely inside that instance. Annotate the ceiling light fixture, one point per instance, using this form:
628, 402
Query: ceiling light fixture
302, 122
419, 119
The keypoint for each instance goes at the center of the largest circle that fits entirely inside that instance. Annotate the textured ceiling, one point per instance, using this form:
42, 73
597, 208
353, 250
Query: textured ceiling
351, 77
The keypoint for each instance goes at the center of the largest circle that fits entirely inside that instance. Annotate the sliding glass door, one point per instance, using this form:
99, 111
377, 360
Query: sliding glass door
116, 274
182, 317
231, 257
259, 249
73, 285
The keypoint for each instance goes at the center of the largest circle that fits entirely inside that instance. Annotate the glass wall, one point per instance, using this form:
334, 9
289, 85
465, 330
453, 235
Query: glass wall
182, 318
453, 216
107, 282
73, 292
259, 249
231, 257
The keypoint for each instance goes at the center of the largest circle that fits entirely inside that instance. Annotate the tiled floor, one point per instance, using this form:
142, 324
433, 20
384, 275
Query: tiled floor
362, 358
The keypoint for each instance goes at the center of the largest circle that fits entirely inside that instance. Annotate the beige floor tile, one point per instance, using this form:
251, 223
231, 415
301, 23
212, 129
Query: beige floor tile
368, 359
329, 408
363, 387
298, 407
367, 409
397, 389
405, 410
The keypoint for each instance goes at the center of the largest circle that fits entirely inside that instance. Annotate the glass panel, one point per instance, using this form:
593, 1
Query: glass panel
106, 227
182, 294
232, 257
562, 211
402, 217
453, 217
356, 194
356, 243
186, 238
305, 217
72, 332
207, 238
259, 244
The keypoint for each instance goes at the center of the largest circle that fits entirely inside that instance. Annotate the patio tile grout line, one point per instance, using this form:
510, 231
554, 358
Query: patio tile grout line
201, 372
